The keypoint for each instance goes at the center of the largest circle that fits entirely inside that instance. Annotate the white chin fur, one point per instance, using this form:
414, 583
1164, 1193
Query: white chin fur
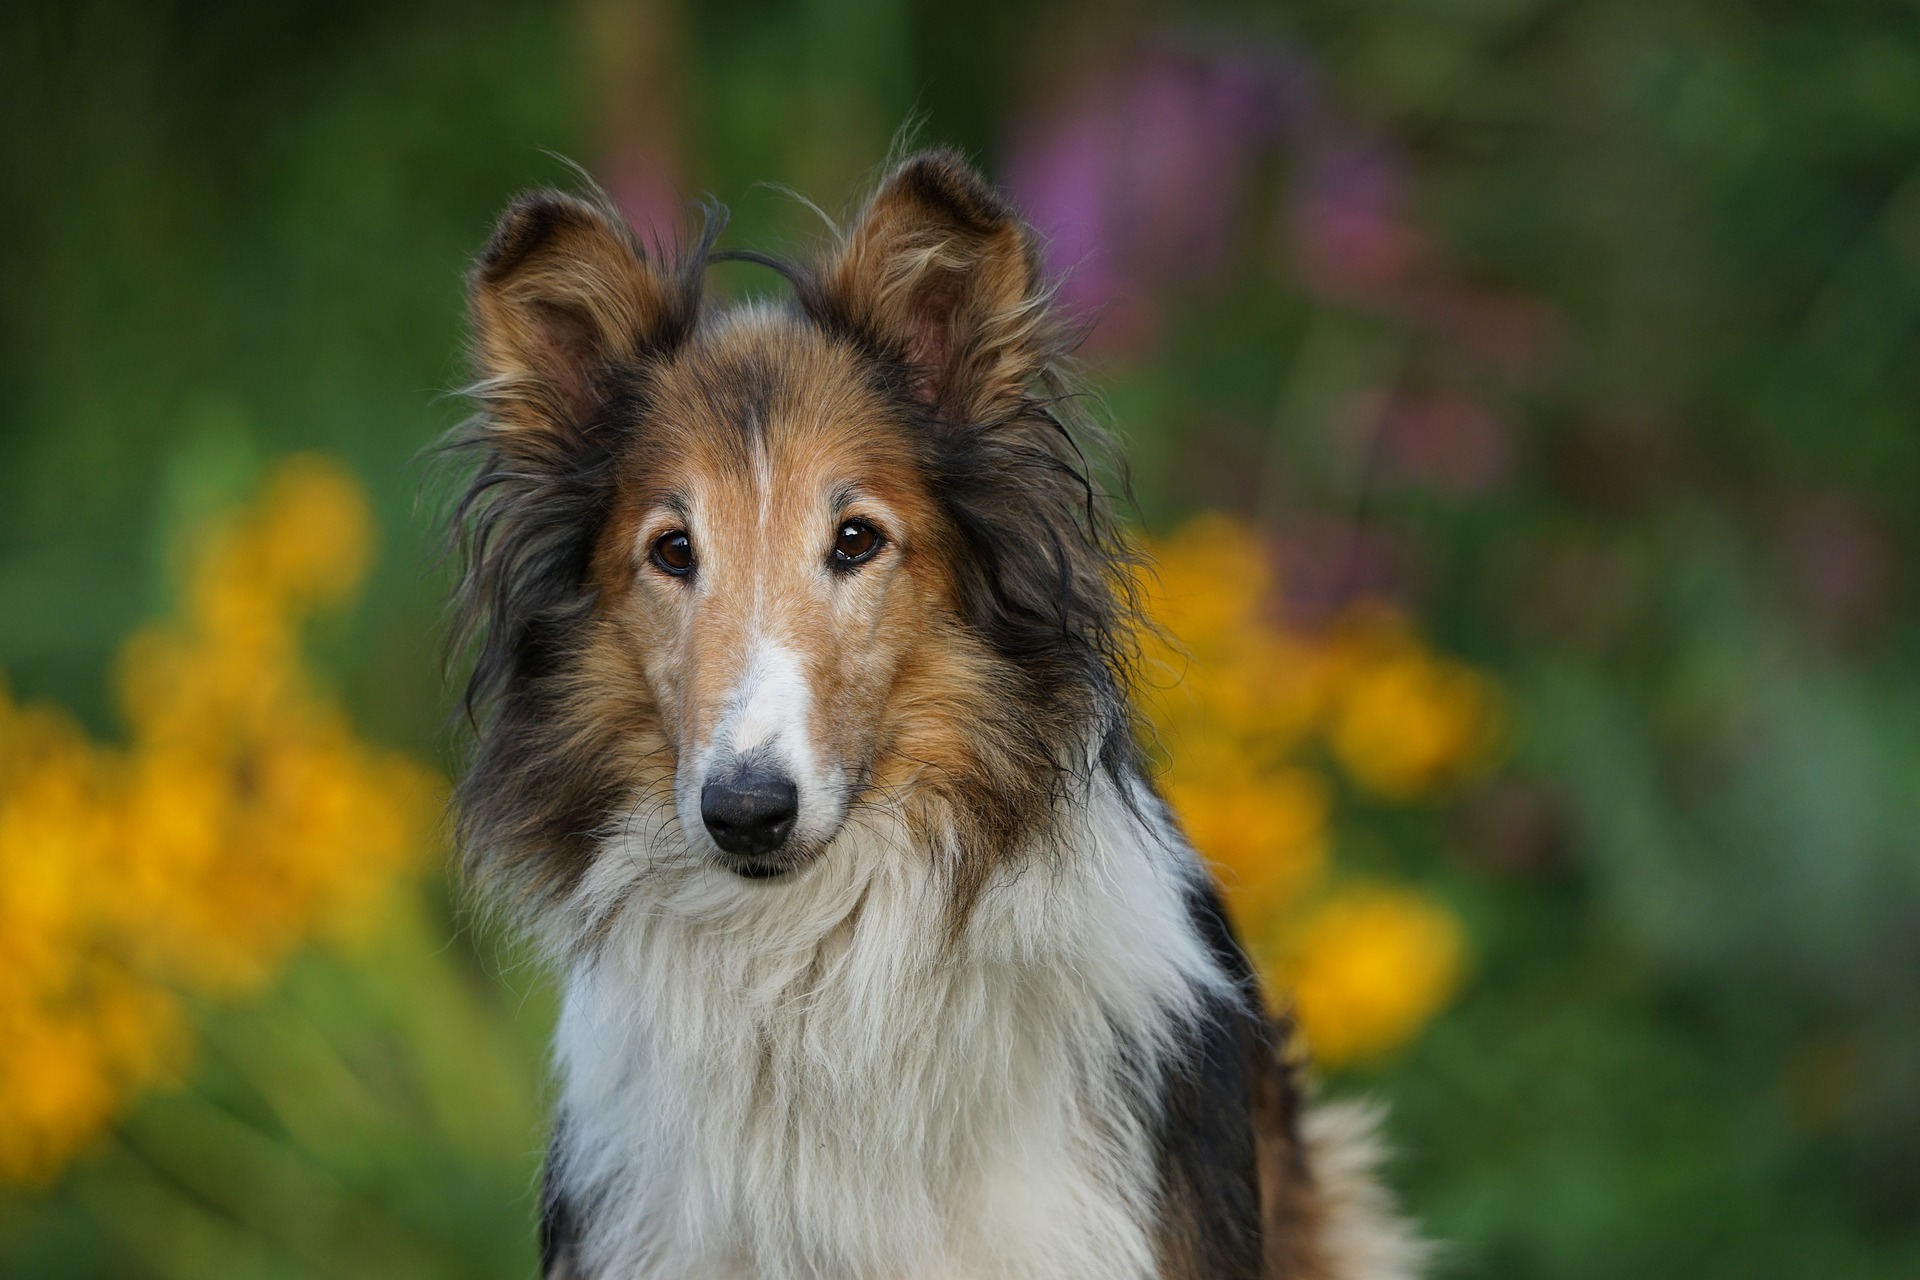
811, 1080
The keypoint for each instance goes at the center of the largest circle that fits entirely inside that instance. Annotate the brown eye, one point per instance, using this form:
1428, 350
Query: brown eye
673, 553
855, 544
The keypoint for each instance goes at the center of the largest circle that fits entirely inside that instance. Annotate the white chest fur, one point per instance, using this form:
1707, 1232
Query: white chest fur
809, 1079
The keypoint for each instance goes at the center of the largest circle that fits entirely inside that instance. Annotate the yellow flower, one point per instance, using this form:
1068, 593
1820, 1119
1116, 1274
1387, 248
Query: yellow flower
1212, 578
313, 530
1265, 835
1238, 700
1404, 723
1369, 967
243, 820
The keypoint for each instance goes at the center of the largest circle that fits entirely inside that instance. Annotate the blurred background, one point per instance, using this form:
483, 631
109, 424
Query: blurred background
1518, 417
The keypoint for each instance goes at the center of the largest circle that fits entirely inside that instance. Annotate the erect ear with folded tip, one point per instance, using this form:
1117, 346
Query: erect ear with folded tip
562, 302
939, 271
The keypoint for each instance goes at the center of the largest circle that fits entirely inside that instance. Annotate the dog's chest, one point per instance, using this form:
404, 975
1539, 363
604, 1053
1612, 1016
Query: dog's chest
817, 1083
814, 1141
863, 1107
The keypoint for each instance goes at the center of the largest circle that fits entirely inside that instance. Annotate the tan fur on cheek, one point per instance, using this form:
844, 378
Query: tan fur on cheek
663, 657
631, 617
852, 655
975, 789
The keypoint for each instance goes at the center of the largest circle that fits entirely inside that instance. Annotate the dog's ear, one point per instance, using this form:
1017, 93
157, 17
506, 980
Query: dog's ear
562, 300
941, 274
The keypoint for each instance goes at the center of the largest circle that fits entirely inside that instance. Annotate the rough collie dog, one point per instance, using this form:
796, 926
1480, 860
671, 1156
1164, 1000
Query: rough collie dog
802, 640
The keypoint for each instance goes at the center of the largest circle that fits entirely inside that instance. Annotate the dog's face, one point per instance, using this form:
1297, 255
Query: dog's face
772, 565
744, 573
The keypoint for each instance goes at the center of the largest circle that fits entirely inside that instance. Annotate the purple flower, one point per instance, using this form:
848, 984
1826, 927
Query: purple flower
1350, 236
1136, 184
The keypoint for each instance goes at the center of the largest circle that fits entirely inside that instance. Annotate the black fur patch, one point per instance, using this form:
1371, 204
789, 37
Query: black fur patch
559, 1232
1210, 1208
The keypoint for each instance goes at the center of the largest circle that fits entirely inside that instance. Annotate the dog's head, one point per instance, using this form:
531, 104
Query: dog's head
730, 577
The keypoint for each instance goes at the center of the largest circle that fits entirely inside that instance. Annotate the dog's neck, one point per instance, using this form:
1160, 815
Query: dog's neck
818, 1078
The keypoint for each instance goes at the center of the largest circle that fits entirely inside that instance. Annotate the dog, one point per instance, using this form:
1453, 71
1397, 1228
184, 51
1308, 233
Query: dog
802, 643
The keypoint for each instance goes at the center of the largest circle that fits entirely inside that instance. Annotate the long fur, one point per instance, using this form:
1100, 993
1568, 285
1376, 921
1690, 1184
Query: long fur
997, 1025
835, 1090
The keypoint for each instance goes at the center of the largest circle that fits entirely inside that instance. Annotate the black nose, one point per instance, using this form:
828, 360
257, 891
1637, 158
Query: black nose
750, 811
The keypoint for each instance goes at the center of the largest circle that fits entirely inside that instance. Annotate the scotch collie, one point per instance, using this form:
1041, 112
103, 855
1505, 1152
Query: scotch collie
801, 636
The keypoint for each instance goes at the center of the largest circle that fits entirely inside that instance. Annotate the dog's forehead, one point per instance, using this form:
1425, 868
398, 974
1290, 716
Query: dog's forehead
764, 373
760, 391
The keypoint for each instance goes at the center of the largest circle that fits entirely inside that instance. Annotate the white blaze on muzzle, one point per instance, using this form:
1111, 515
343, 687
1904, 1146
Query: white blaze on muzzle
767, 712
764, 733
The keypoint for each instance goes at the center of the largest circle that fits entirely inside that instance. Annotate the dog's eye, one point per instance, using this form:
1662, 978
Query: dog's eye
673, 553
855, 544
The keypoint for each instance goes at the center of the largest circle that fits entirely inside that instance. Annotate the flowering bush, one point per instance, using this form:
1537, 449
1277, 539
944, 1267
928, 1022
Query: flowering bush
1241, 700
242, 819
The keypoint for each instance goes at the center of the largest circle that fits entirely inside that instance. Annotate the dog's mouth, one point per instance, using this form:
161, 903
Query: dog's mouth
761, 868
770, 867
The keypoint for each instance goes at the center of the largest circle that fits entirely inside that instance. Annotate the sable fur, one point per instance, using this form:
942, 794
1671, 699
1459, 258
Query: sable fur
996, 968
